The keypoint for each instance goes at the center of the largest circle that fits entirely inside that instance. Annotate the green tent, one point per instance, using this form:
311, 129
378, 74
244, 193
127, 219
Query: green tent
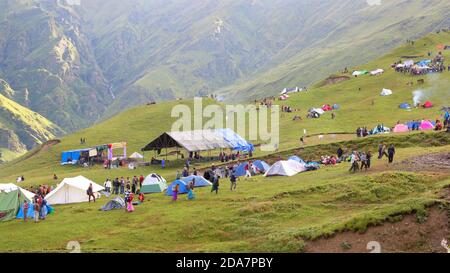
154, 183
9, 204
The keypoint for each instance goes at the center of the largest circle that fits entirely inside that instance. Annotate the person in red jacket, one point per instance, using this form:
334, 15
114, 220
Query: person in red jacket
141, 180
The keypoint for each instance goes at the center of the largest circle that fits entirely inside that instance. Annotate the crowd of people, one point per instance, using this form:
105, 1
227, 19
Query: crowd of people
431, 66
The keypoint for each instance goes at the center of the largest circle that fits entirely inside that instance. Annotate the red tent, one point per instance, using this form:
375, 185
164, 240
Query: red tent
427, 104
327, 107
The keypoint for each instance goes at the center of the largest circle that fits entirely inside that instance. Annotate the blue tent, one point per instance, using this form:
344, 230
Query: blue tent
183, 188
296, 158
261, 165
30, 213
413, 124
240, 170
336, 106
405, 106
74, 155
199, 181
236, 141
424, 63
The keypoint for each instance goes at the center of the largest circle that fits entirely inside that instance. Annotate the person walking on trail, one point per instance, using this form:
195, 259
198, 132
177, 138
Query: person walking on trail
90, 192
215, 184
391, 153
175, 191
363, 158
354, 162
233, 180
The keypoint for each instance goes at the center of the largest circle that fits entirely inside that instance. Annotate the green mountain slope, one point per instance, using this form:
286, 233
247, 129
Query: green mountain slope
362, 35
46, 58
139, 125
20, 128
77, 64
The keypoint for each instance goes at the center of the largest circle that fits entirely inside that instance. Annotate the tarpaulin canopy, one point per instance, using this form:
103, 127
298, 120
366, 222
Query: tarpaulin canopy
200, 140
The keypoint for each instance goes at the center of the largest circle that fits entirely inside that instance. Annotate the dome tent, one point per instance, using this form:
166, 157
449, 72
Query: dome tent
401, 128
153, 183
261, 165
386, 92
427, 104
182, 189
405, 106
426, 125
199, 181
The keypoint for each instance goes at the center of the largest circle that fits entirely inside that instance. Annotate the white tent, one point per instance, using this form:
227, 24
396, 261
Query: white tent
72, 190
11, 187
136, 155
377, 72
386, 92
318, 111
282, 168
297, 166
408, 63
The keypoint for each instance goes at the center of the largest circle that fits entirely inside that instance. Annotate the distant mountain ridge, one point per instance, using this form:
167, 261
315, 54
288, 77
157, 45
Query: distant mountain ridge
79, 64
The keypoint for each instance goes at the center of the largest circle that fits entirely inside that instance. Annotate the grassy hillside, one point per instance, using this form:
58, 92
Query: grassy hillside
363, 35
276, 214
22, 129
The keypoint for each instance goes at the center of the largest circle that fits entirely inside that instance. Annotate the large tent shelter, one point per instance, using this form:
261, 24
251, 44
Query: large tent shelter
105, 150
200, 140
153, 183
72, 190
11, 198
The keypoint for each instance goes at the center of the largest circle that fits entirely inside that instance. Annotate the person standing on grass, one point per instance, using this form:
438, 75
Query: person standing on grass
368, 159
354, 162
391, 153
134, 183
36, 210
195, 172
215, 185
247, 170
43, 207
141, 180
233, 180
108, 185
122, 185
363, 159
175, 190
25, 210
90, 192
